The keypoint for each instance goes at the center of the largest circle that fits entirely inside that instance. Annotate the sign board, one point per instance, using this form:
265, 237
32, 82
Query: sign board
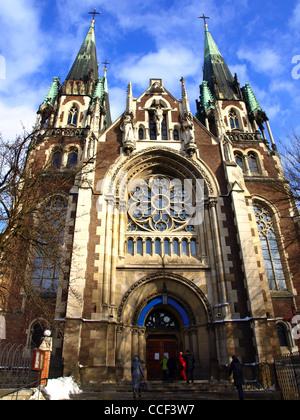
38, 360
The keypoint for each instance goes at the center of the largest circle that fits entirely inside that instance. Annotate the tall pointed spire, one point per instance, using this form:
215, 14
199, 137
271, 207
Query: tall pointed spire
85, 65
216, 72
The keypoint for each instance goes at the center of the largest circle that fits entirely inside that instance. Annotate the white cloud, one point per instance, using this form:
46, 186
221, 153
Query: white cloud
14, 119
264, 60
168, 63
295, 19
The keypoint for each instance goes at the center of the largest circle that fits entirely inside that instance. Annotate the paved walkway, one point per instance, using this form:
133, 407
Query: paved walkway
179, 392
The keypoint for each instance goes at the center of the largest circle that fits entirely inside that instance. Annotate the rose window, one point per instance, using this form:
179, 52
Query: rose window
159, 203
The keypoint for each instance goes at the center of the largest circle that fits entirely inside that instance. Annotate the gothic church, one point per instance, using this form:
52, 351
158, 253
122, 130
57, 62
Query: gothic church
177, 226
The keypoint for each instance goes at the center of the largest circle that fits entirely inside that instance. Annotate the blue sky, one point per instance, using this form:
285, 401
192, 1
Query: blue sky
141, 39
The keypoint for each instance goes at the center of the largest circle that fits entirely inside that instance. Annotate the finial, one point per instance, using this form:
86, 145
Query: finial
204, 18
94, 13
105, 64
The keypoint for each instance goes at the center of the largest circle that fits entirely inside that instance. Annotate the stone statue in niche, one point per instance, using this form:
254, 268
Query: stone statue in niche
127, 128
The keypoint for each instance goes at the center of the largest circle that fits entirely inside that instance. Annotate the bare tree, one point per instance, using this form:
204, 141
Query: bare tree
291, 163
33, 212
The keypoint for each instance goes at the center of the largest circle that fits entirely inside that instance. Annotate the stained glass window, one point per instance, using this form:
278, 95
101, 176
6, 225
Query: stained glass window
270, 249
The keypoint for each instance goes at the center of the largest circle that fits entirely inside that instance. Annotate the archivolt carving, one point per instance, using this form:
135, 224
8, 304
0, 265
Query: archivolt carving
173, 276
155, 295
175, 160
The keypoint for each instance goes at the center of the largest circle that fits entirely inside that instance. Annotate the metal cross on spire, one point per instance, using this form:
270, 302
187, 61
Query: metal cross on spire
94, 13
106, 64
204, 18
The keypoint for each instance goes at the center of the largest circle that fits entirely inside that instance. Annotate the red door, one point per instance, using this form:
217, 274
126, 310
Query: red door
156, 348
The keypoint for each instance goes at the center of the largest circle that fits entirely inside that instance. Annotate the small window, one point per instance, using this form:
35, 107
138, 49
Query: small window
184, 247
130, 246
153, 134
167, 246
176, 134
281, 331
73, 116
164, 130
57, 159
141, 134
139, 247
148, 247
234, 121
240, 161
72, 159
252, 162
193, 247
157, 247
176, 247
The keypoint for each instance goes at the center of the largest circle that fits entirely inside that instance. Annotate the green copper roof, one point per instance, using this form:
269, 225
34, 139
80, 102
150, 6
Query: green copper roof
216, 72
251, 99
101, 93
210, 45
206, 97
53, 92
86, 60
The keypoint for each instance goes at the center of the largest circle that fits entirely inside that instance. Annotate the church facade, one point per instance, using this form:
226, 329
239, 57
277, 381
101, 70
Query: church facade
178, 226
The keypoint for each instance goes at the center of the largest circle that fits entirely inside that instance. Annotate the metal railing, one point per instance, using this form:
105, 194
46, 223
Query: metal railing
287, 369
35, 384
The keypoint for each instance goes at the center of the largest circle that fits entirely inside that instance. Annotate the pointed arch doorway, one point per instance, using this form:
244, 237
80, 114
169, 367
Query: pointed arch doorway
164, 326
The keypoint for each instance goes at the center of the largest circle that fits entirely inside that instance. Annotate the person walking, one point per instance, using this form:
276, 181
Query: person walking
189, 369
238, 376
182, 365
171, 364
137, 376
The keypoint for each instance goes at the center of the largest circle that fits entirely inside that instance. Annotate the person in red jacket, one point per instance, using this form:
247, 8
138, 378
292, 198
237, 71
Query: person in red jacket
182, 366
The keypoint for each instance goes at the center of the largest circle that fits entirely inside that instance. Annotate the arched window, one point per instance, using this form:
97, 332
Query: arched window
130, 246
239, 161
193, 247
252, 162
184, 245
36, 334
176, 246
48, 249
167, 247
72, 159
164, 130
176, 134
282, 335
141, 134
157, 246
153, 134
148, 247
234, 120
270, 249
57, 159
73, 116
139, 247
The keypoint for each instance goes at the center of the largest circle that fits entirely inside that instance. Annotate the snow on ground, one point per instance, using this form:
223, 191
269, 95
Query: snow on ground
60, 389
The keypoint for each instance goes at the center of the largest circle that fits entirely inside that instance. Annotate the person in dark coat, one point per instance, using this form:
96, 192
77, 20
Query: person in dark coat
189, 368
137, 376
238, 376
171, 364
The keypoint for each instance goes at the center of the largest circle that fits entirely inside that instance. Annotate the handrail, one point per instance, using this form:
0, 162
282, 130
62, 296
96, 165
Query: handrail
16, 391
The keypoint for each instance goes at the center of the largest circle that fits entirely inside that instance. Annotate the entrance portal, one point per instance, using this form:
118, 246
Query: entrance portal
162, 328
157, 347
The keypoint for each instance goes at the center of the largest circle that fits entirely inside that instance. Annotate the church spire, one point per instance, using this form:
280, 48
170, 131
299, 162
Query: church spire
216, 72
85, 65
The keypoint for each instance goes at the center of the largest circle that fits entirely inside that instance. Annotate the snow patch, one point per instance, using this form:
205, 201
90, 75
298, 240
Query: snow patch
60, 389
